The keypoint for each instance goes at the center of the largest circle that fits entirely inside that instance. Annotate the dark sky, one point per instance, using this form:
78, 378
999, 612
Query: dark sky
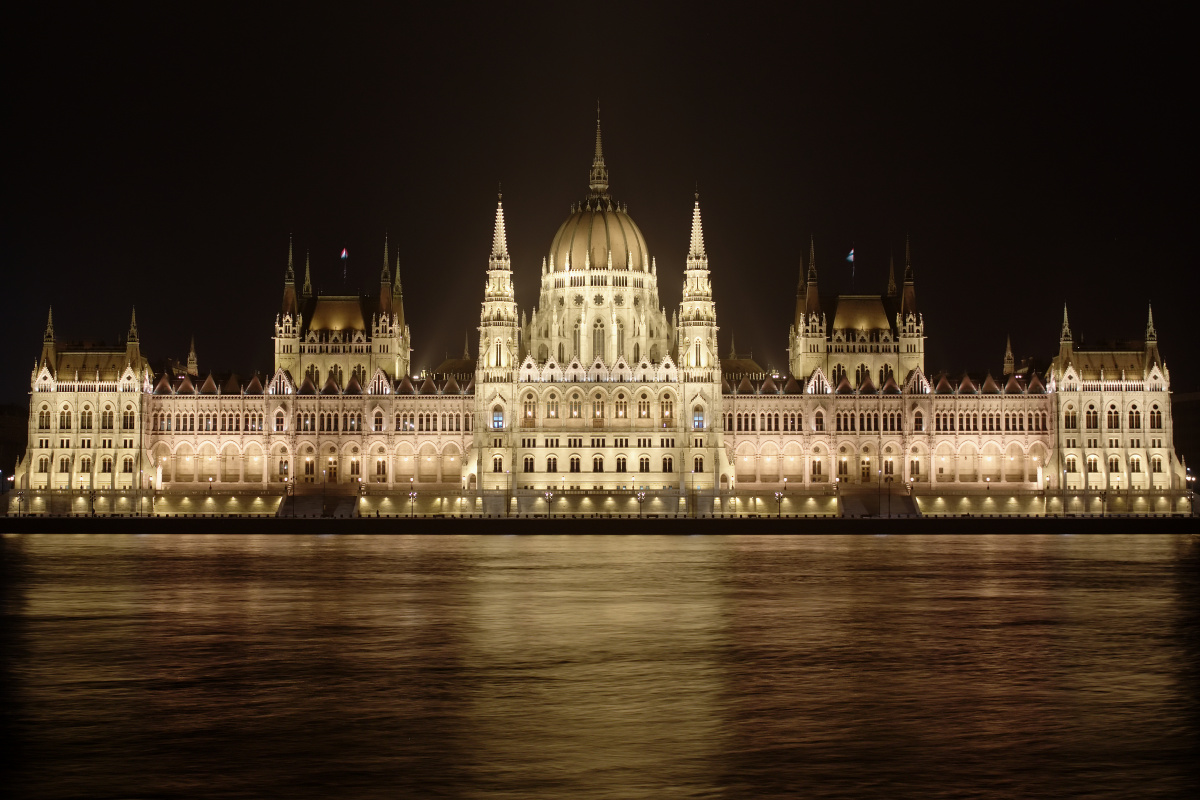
1036, 155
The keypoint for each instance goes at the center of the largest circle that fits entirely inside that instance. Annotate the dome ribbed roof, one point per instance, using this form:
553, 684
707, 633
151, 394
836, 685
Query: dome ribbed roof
593, 233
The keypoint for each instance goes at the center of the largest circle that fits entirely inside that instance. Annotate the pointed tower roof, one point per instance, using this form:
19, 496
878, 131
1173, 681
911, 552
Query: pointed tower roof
48, 336
466, 346
891, 287
812, 301
451, 386
768, 387
989, 385
908, 300
254, 386
1009, 364
306, 290
1151, 334
1013, 386
307, 386
696, 247
132, 336
801, 296
192, 368
792, 386
499, 239
1065, 336
385, 275
290, 275
598, 175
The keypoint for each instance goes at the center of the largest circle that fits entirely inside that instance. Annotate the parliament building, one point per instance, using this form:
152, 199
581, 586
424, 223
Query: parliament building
597, 399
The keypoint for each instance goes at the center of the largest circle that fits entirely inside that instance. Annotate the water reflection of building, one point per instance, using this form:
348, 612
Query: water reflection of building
597, 392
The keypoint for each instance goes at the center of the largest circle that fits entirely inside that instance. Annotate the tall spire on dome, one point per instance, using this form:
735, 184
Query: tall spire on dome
499, 239
696, 248
1151, 334
598, 176
306, 290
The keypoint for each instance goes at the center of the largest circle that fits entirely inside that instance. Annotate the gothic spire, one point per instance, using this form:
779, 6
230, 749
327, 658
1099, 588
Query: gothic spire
397, 288
1066, 327
467, 346
192, 368
307, 290
1009, 365
908, 270
812, 299
891, 289
812, 260
49, 335
385, 276
499, 239
696, 248
1151, 334
598, 176
132, 336
290, 275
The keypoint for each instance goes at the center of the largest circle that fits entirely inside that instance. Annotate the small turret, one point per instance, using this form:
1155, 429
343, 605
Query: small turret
49, 357
891, 287
1009, 364
1066, 342
385, 285
307, 290
812, 301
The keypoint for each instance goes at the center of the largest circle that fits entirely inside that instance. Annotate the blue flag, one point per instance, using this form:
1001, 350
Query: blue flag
850, 258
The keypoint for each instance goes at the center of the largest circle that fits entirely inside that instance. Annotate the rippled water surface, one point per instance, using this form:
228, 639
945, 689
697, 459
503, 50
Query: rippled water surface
600, 667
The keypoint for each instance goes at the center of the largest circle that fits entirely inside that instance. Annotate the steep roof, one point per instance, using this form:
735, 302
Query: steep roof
860, 312
337, 314
792, 386
990, 386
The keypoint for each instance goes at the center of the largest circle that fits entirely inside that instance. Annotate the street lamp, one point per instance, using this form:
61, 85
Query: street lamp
641, 498
888, 479
778, 504
549, 497
412, 498
291, 492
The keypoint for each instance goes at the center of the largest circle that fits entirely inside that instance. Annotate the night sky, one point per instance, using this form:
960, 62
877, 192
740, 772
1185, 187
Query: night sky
162, 158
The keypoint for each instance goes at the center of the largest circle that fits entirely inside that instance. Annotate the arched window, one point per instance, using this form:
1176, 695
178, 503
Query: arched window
644, 407
598, 340
698, 418
696, 353
597, 463
552, 405
597, 407
127, 466
819, 421
44, 464
574, 342
576, 405
106, 419
64, 464
529, 406
622, 406
528, 464
1114, 464
918, 422
85, 420
1135, 464
85, 464
1155, 418
106, 465
1156, 464
1093, 464
279, 421
1071, 464
64, 419
1135, 419
127, 419
620, 338
644, 464
621, 463
496, 358
574, 464
551, 464
1114, 418
668, 407
497, 418
1092, 418
498, 464
668, 464
378, 421
44, 420
698, 464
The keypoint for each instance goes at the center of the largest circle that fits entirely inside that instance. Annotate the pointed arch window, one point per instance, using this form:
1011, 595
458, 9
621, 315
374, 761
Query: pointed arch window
598, 340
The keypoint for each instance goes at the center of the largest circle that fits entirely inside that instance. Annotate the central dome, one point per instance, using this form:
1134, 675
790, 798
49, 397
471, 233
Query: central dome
590, 234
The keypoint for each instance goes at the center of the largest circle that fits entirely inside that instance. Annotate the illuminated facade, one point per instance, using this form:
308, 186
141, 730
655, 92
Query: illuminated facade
598, 392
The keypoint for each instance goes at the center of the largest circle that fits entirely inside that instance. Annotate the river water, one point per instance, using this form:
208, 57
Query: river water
600, 667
